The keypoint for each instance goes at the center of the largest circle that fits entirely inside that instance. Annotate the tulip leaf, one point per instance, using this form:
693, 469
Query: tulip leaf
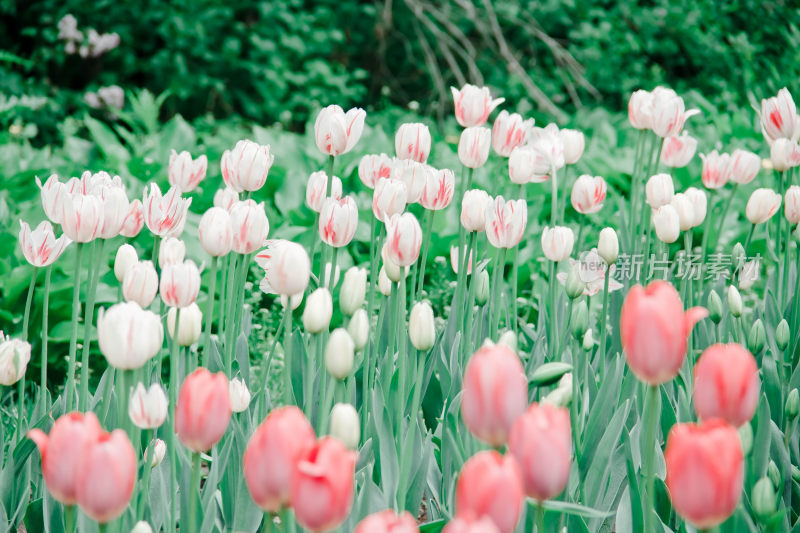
575, 509
432, 527
549, 373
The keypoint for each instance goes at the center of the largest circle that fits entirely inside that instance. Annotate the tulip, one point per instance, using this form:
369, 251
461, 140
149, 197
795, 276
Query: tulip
225, 198
353, 290
338, 220
246, 167
272, 453
455, 257
667, 223
115, 210
134, 220
389, 198
784, 154
574, 142
744, 166
557, 243
157, 450
413, 175
40, 246
142, 527
128, 335
792, 204
53, 194
318, 311
322, 485
203, 410
185, 172
470, 524
61, 451
250, 226
106, 474
654, 328
779, 118
505, 222
413, 141
339, 354
640, 110
549, 147
473, 105
190, 326
699, 202
588, 194
287, 268
490, 485
345, 425
726, 384
165, 215
384, 283
474, 206
82, 217
372, 168
473, 146
239, 395
421, 326
180, 284
763, 203
705, 471
495, 393
388, 522
14, 358
659, 190
171, 251
216, 232
608, 245
685, 209
403, 239
716, 169
678, 150
748, 275
669, 114
337, 132
125, 258
526, 165
359, 329
541, 441
734, 299
147, 408
439, 189
317, 190
509, 131
140, 284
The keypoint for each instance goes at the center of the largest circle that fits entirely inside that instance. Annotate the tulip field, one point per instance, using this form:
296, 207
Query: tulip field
398, 329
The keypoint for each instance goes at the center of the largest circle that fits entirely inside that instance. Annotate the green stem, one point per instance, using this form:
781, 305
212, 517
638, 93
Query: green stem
88, 319
144, 495
551, 341
73, 340
749, 238
173, 393
212, 292
650, 422
28, 301
230, 292
553, 197
45, 322
69, 518
498, 278
603, 320
267, 525
325, 411
466, 341
539, 518
426, 242
287, 359
267, 364
194, 494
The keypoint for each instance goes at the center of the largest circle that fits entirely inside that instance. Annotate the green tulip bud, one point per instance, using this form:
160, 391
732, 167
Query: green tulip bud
588, 340
792, 404
774, 474
580, 319
735, 305
746, 438
757, 337
763, 498
574, 284
738, 256
782, 335
482, 287
714, 306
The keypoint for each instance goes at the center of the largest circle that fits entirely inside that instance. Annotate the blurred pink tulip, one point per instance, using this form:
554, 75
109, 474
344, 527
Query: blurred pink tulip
470, 524
40, 246
337, 132
509, 131
473, 105
490, 485
165, 215
246, 167
726, 384
439, 189
716, 169
678, 150
403, 239
106, 474
744, 166
338, 220
185, 172
588, 194
388, 522
413, 141
203, 410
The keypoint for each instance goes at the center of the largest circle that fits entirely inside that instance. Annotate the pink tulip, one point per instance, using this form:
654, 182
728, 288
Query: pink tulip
726, 384
669, 113
115, 210
588, 194
403, 239
40, 246
185, 172
779, 118
454, 258
474, 205
784, 154
287, 268
389, 198
640, 110
509, 131
413, 175
372, 168
716, 169
272, 453
439, 189
322, 485
505, 222
744, 166
225, 198
203, 410
140, 283
495, 393
678, 150
165, 215
792, 204
250, 226
574, 142
557, 243
470, 524
541, 441
106, 474
53, 193
762, 205
388, 522
413, 141
246, 167
82, 217
61, 451
216, 232
705, 471
180, 284
317, 190
337, 132
338, 220
473, 146
490, 485
654, 328
134, 220
473, 105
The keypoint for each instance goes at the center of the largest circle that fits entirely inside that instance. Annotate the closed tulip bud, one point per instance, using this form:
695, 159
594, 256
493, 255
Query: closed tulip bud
745, 433
287, 268
106, 474
165, 215
792, 204
180, 284
239, 395
250, 226
774, 474
384, 283
317, 190
142, 527
358, 328
190, 326
272, 453
508, 338
216, 232
203, 410
561, 396
40, 246
339, 354
509, 131
541, 441
185, 172
353, 290
473, 104
225, 198
345, 425
782, 335
792, 404
738, 257
14, 358
779, 118
82, 217
608, 246
337, 132
699, 203
403, 239
640, 110
734, 302
128, 335
557, 243
580, 319
372, 168
784, 154
654, 328
506, 222
126, 257
388, 522
171, 251
714, 305
491, 485
744, 166
588, 194
574, 143
763, 203
147, 408
726, 384
495, 393
574, 285
474, 207
678, 150
394, 272
659, 190
318, 311
421, 327
155, 453
473, 146
667, 223
246, 167
134, 220
705, 471
716, 169
482, 287
470, 524
763, 498
683, 206
413, 141
757, 337
588, 340
294, 300
140, 283
439, 189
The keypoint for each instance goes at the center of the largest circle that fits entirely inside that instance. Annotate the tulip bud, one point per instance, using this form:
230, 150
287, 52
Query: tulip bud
762, 205
683, 206
413, 141
473, 104
421, 327
588, 340
171, 251
782, 335
246, 167
474, 145
126, 257
792, 204
317, 190
338, 220
142, 527
580, 319
667, 223
508, 338
339, 354
216, 232
482, 287
353, 290
122, 349
358, 328
240, 395
561, 396
574, 284
14, 358
659, 190
473, 209
746, 438
763, 498
557, 243
158, 449
337, 132
190, 327
735, 302
140, 283
389, 198
714, 305
574, 143
384, 283
250, 227
345, 425
180, 284
774, 474
757, 337
147, 408
608, 245
792, 404
318, 311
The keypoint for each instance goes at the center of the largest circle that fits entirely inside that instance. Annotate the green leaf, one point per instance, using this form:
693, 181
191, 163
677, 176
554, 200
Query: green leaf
549, 373
575, 509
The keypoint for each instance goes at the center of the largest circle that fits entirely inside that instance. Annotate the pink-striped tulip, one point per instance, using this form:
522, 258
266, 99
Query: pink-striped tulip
468, 523
106, 474
557, 243
52, 193
338, 220
574, 143
203, 410
549, 147
640, 110
225, 198
669, 113
165, 215
588, 194
389, 198
403, 239
792, 204
474, 145
726, 384
505, 222
374, 167
246, 167
413, 141
526, 165
762, 205
337, 132
216, 232
40, 246
115, 210
474, 205
180, 284
140, 283
388, 522
490, 485
784, 154
744, 166
716, 169
779, 118
82, 217
509, 131
185, 172
439, 189
148, 407
287, 268
317, 190
250, 226
413, 175
699, 202
473, 105
678, 150
134, 220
